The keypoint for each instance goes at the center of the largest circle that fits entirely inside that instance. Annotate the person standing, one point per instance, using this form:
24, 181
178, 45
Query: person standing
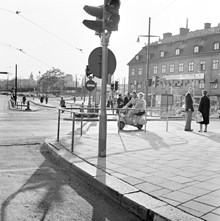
189, 109
62, 103
204, 108
46, 98
120, 102
24, 99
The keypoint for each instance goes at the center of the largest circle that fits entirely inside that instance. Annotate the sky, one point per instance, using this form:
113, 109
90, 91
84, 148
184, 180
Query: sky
49, 33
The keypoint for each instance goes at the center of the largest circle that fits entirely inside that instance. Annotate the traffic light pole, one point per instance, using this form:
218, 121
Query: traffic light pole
103, 116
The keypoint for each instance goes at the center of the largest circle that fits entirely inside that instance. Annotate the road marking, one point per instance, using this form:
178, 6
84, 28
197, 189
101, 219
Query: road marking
23, 169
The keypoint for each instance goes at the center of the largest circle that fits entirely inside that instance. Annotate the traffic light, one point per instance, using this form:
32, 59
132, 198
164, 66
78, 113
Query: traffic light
111, 20
112, 15
157, 81
116, 85
98, 13
88, 72
112, 86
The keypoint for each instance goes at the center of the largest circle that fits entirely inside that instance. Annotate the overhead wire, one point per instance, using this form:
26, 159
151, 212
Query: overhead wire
163, 9
22, 51
35, 24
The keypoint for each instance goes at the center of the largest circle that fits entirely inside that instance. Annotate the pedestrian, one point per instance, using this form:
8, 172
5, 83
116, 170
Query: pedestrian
62, 103
23, 99
204, 108
110, 102
41, 98
189, 109
120, 102
74, 99
127, 99
46, 99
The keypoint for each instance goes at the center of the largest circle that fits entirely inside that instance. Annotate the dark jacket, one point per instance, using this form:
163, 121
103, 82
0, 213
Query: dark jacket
188, 102
126, 100
204, 108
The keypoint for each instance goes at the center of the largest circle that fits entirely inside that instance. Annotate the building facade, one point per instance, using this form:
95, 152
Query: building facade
189, 59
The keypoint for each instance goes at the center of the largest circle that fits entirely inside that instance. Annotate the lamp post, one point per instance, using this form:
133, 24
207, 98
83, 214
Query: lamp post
148, 57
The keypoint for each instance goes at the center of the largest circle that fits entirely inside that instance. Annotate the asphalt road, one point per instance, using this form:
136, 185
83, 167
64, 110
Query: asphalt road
32, 185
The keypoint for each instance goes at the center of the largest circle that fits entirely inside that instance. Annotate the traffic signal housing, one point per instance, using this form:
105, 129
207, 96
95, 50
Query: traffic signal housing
112, 15
157, 81
88, 72
111, 12
112, 86
116, 85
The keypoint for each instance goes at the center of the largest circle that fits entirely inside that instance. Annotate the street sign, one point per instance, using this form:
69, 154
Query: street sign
90, 85
95, 62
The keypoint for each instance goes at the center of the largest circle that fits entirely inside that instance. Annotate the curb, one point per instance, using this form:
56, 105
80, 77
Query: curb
42, 105
141, 204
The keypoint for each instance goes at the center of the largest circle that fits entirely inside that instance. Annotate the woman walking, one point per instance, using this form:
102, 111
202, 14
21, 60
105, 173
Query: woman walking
204, 108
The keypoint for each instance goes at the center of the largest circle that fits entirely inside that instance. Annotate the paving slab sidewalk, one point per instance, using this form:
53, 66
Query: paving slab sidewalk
157, 174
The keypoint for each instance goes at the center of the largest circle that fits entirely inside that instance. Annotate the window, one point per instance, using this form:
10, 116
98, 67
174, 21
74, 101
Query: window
214, 85
180, 67
171, 68
137, 57
216, 46
155, 69
163, 69
132, 71
140, 71
162, 54
215, 64
202, 66
191, 66
196, 49
177, 51
201, 84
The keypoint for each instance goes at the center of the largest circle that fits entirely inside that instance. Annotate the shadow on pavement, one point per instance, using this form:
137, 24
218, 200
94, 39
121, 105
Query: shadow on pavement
51, 179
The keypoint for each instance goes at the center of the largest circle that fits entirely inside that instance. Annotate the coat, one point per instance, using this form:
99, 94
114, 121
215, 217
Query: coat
204, 108
188, 102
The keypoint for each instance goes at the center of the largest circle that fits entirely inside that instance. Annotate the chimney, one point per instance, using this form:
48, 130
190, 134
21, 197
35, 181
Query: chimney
207, 25
167, 35
184, 31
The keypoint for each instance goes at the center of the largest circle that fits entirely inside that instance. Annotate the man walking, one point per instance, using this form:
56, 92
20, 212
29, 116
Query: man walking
189, 109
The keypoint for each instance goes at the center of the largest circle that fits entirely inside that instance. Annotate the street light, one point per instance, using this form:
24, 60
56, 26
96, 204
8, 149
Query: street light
148, 57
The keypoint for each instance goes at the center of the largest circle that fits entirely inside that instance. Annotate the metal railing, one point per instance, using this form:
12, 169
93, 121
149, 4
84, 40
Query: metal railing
74, 116
79, 114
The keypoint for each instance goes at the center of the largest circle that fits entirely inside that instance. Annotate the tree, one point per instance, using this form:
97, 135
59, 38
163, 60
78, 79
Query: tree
52, 81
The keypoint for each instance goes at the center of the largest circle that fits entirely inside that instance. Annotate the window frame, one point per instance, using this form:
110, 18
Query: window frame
162, 54
172, 68
155, 70
202, 65
215, 64
163, 69
133, 72
201, 84
196, 49
177, 51
140, 71
191, 66
181, 67
216, 46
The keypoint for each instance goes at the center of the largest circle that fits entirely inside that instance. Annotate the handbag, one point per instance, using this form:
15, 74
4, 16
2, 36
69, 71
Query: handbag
198, 117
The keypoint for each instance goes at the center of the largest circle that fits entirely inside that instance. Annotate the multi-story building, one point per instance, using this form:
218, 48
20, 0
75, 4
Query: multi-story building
189, 59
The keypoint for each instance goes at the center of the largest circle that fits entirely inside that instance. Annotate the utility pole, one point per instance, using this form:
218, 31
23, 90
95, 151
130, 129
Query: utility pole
148, 58
16, 83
